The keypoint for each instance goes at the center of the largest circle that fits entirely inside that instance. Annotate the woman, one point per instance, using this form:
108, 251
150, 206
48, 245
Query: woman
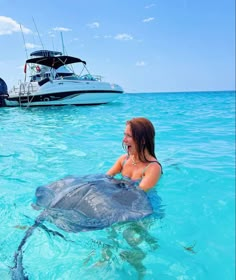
140, 163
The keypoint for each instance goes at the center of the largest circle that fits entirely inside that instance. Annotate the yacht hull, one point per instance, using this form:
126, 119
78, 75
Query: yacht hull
59, 93
73, 98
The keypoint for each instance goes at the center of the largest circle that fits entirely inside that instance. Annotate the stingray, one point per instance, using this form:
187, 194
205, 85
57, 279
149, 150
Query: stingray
86, 203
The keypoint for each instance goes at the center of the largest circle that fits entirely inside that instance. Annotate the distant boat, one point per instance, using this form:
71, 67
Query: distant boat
51, 81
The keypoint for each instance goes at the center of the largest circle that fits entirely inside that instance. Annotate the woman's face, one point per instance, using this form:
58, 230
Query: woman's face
129, 141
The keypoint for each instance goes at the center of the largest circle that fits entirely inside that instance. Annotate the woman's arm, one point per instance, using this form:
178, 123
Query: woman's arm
151, 177
116, 168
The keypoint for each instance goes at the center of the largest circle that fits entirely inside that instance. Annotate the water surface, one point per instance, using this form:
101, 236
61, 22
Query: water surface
195, 142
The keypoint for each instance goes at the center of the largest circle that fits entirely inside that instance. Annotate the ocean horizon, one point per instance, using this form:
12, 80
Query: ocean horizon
195, 91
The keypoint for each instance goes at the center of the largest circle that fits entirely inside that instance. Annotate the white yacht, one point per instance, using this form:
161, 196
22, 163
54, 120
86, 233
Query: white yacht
50, 81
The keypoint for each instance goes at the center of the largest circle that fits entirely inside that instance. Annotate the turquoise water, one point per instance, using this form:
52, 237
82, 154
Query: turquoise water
195, 143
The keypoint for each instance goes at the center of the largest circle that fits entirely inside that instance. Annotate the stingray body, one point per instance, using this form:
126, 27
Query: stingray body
85, 203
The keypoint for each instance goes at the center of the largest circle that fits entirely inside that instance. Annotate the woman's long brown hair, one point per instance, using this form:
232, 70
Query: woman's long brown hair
143, 133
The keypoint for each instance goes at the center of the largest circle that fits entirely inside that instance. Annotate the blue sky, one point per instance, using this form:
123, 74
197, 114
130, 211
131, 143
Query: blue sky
145, 46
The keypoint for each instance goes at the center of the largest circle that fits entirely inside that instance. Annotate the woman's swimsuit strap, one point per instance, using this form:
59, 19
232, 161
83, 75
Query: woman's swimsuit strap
124, 162
151, 162
145, 168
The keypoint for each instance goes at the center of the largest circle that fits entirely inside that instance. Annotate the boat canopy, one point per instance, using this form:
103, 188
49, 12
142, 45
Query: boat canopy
45, 53
55, 61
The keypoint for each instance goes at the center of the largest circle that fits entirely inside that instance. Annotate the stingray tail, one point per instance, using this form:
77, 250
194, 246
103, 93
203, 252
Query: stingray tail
18, 271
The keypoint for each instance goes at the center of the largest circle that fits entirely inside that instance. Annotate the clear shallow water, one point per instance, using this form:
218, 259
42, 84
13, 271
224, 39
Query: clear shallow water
195, 143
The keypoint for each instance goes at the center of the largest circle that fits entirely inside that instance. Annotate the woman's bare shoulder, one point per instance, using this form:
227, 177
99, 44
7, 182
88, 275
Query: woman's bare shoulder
124, 156
121, 158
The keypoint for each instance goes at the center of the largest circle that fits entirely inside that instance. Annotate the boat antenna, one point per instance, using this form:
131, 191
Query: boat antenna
26, 53
62, 42
38, 34
53, 44
22, 33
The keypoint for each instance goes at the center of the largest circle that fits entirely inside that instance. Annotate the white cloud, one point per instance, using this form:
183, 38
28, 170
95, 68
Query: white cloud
149, 6
123, 37
102, 37
141, 63
93, 25
62, 29
31, 46
51, 34
148, 19
9, 26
